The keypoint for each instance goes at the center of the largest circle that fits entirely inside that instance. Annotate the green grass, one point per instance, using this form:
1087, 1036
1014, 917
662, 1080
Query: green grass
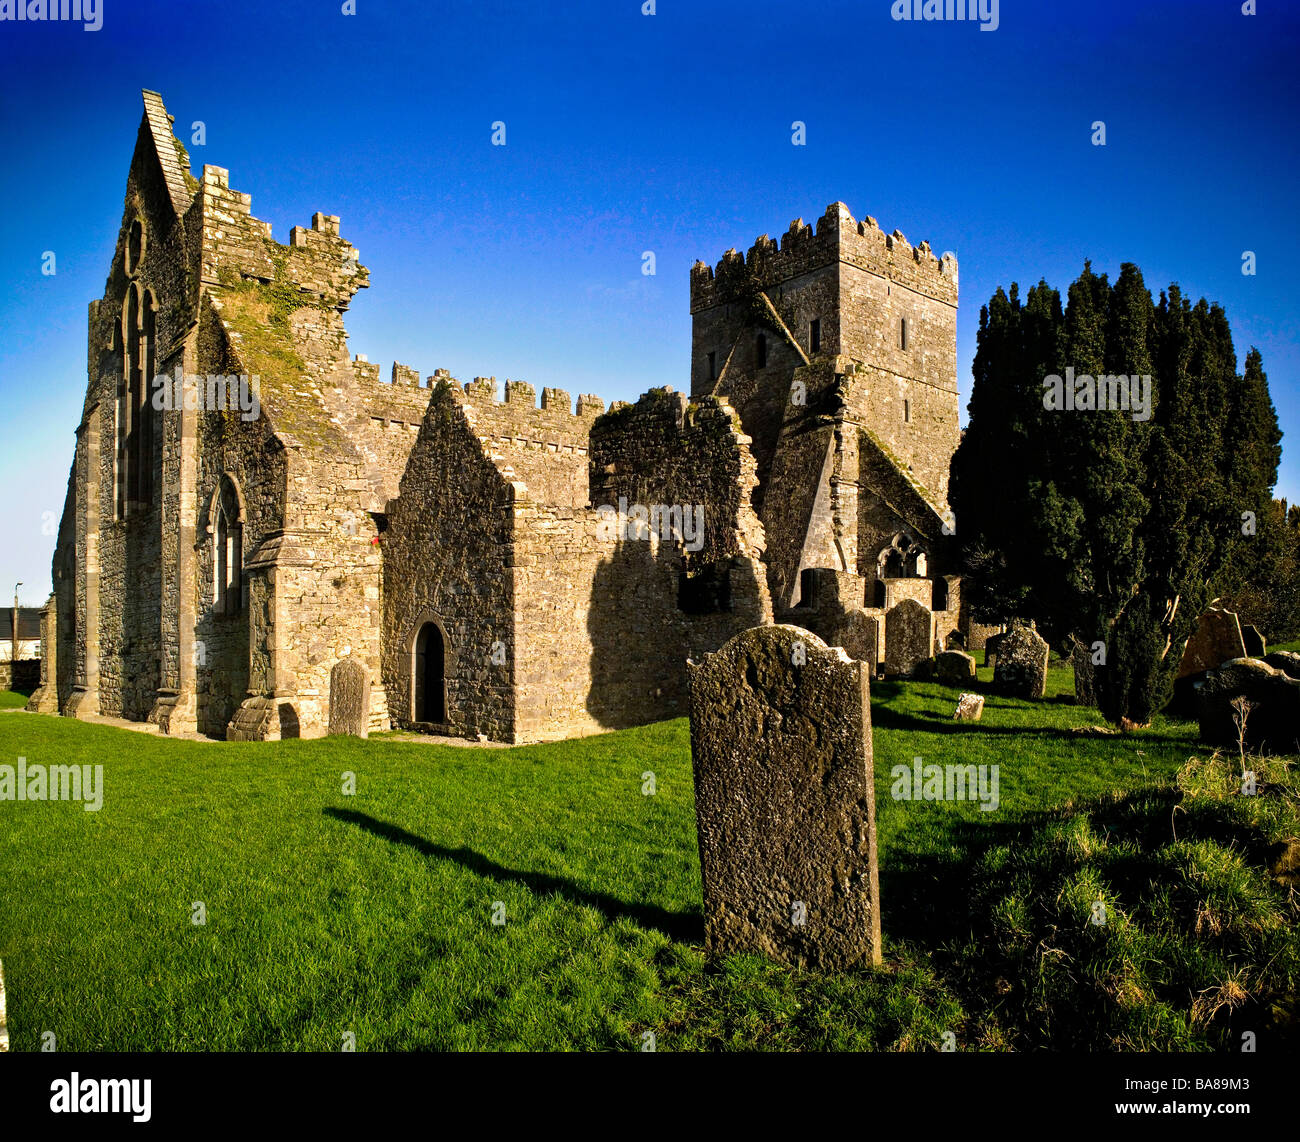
372, 913
12, 700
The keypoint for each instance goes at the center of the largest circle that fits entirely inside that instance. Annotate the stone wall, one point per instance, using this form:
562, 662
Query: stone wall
447, 562
651, 594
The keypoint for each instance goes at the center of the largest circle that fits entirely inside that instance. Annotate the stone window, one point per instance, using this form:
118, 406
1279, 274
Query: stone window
907, 411
227, 551
706, 591
815, 334
807, 588
713, 366
760, 350
902, 333
939, 595
133, 460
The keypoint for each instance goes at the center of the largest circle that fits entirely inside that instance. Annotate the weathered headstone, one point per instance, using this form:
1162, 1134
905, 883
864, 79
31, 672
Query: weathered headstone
1217, 640
970, 708
785, 799
350, 698
954, 668
1252, 640
954, 640
907, 637
1085, 675
1272, 725
1021, 670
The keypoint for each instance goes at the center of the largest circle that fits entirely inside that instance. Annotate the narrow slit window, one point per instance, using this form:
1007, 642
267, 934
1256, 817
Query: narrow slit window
907, 411
815, 334
761, 351
713, 366
902, 333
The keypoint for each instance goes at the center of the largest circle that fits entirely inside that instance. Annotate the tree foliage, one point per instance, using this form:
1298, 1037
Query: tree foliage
1116, 525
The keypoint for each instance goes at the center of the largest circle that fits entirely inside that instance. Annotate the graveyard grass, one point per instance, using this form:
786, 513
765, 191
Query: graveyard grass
372, 913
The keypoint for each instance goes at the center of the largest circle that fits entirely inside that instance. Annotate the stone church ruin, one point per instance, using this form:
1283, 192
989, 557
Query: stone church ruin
454, 542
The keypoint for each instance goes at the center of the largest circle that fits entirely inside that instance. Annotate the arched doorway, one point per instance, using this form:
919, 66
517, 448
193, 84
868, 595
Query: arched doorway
430, 675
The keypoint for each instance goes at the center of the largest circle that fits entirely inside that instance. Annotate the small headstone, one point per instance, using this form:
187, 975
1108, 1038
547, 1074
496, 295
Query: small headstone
1252, 640
907, 637
785, 799
1021, 670
1085, 675
954, 668
1217, 640
954, 640
350, 698
1272, 725
970, 708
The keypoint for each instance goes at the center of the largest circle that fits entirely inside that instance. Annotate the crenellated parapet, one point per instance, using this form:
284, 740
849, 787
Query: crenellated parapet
317, 263
838, 237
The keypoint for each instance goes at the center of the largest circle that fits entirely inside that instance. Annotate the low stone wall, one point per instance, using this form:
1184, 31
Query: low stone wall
25, 674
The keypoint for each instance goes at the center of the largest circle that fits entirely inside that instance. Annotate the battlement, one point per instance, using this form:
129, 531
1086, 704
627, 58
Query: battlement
521, 397
239, 248
838, 237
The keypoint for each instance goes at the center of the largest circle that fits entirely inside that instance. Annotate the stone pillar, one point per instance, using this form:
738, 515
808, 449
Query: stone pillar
45, 698
785, 799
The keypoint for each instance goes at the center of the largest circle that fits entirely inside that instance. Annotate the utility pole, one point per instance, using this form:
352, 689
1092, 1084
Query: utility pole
13, 655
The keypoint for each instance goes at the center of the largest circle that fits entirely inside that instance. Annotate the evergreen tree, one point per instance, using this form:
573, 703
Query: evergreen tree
1115, 525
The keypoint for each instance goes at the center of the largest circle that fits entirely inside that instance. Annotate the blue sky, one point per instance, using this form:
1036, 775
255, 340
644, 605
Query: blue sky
627, 133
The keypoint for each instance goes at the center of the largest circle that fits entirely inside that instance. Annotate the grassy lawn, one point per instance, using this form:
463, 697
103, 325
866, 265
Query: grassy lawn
372, 913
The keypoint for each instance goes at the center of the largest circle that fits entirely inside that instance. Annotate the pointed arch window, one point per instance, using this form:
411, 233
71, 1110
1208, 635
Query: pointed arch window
227, 550
135, 426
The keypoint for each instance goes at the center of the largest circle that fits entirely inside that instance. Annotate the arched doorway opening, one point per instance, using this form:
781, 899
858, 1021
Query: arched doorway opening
430, 675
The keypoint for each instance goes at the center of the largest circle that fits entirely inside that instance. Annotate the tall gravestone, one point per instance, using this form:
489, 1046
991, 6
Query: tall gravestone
907, 637
1021, 670
1085, 675
350, 698
1218, 639
785, 799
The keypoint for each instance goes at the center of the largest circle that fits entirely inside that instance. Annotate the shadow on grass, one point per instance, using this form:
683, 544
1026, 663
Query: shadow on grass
683, 927
886, 718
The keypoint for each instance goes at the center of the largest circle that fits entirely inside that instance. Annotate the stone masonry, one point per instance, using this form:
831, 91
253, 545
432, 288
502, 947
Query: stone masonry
499, 564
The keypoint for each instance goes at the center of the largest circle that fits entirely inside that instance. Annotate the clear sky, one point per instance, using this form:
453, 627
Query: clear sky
625, 133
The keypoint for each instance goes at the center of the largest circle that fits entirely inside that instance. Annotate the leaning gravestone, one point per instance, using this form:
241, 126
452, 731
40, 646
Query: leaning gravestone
1252, 640
785, 799
954, 668
1217, 640
350, 698
970, 708
907, 637
1021, 671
